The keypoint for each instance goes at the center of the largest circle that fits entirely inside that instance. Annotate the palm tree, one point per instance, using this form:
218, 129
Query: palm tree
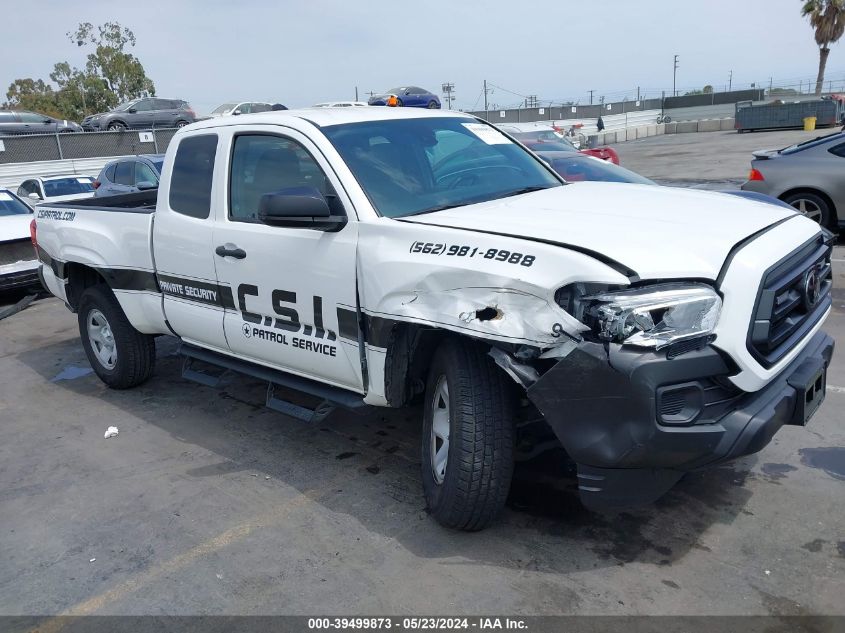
827, 17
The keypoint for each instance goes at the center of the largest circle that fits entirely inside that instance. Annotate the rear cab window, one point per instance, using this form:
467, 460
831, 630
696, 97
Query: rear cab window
192, 176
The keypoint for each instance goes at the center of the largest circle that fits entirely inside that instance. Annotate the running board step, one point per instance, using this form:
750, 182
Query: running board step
330, 397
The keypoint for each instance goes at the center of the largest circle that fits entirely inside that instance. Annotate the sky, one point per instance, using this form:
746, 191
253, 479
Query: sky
299, 53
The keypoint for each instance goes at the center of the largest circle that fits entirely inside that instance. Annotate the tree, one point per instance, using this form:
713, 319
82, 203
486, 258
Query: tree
827, 17
111, 76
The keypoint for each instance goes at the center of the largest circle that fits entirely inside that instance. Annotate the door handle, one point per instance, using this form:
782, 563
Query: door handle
230, 250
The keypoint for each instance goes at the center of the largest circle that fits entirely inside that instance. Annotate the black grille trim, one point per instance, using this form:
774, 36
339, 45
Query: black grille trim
780, 318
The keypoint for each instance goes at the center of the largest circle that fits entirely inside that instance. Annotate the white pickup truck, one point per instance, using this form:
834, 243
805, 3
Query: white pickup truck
372, 256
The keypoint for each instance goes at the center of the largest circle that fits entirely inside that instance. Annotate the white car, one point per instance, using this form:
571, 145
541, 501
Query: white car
340, 104
18, 263
59, 188
376, 256
241, 107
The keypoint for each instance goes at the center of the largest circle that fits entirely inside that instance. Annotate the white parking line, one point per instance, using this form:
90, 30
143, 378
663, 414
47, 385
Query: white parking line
838, 260
836, 389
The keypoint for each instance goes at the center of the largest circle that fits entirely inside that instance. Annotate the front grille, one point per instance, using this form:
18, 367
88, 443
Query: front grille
794, 295
19, 250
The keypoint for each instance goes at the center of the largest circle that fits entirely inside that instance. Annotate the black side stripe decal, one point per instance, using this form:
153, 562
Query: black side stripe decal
129, 279
199, 291
378, 329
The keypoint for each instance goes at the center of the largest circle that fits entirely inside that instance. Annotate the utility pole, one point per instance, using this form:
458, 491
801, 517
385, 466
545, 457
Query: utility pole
730, 81
448, 89
638, 93
486, 110
356, 93
591, 96
675, 78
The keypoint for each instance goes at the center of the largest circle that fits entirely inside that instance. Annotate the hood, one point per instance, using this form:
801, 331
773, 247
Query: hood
656, 232
14, 227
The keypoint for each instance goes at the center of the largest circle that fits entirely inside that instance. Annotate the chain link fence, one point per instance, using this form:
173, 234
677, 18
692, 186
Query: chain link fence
65, 146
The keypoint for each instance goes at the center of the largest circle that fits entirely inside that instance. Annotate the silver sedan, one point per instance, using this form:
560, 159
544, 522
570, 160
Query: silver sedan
810, 176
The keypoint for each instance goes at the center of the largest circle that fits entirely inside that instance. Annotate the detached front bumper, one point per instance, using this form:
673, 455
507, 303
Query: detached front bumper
635, 422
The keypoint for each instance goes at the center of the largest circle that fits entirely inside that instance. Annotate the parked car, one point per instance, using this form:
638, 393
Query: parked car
56, 188
574, 166
653, 330
810, 176
339, 104
537, 140
18, 264
24, 122
143, 113
127, 175
408, 96
242, 107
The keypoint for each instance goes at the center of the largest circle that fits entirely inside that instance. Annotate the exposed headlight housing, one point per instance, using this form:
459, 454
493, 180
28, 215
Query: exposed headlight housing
652, 317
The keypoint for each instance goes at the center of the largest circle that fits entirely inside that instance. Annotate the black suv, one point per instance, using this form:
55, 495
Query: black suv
144, 113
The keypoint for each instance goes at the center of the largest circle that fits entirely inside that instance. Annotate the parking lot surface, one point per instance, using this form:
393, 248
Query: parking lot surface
208, 503
709, 160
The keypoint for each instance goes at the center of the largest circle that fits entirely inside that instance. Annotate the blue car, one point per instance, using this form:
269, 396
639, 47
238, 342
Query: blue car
408, 96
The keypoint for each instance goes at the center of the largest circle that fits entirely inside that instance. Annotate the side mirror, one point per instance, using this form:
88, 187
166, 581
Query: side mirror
144, 185
235, 112
47, 121
132, 110
33, 196
299, 207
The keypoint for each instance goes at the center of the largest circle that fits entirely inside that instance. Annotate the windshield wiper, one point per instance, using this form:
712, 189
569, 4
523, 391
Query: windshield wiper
442, 207
519, 192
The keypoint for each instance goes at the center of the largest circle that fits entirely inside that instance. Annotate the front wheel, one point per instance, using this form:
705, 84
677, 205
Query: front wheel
181, 123
120, 355
468, 437
117, 126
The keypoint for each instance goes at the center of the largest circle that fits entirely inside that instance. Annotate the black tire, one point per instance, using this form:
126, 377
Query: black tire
474, 485
181, 123
116, 126
432, 105
399, 103
812, 205
134, 360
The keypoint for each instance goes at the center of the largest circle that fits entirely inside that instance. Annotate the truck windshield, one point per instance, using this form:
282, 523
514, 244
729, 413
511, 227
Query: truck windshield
10, 205
413, 166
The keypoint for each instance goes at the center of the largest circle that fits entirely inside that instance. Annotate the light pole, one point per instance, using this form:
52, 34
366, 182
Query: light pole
675, 78
448, 89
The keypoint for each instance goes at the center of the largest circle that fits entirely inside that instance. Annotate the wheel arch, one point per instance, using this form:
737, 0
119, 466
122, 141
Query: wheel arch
80, 277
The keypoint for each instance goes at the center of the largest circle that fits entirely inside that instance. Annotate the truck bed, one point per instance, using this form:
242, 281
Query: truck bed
138, 202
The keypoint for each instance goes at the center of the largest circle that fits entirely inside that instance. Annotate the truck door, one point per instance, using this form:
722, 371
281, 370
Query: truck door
182, 243
291, 286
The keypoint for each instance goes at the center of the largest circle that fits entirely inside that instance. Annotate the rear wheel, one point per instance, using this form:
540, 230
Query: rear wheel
120, 355
432, 105
181, 123
811, 205
468, 437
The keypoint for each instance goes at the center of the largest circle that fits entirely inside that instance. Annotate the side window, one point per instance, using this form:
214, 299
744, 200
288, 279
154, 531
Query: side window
110, 172
259, 107
123, 174
31, 117
839, 150
7, 117
143, 173
264, 164
244, 108
191, 178
144, 105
